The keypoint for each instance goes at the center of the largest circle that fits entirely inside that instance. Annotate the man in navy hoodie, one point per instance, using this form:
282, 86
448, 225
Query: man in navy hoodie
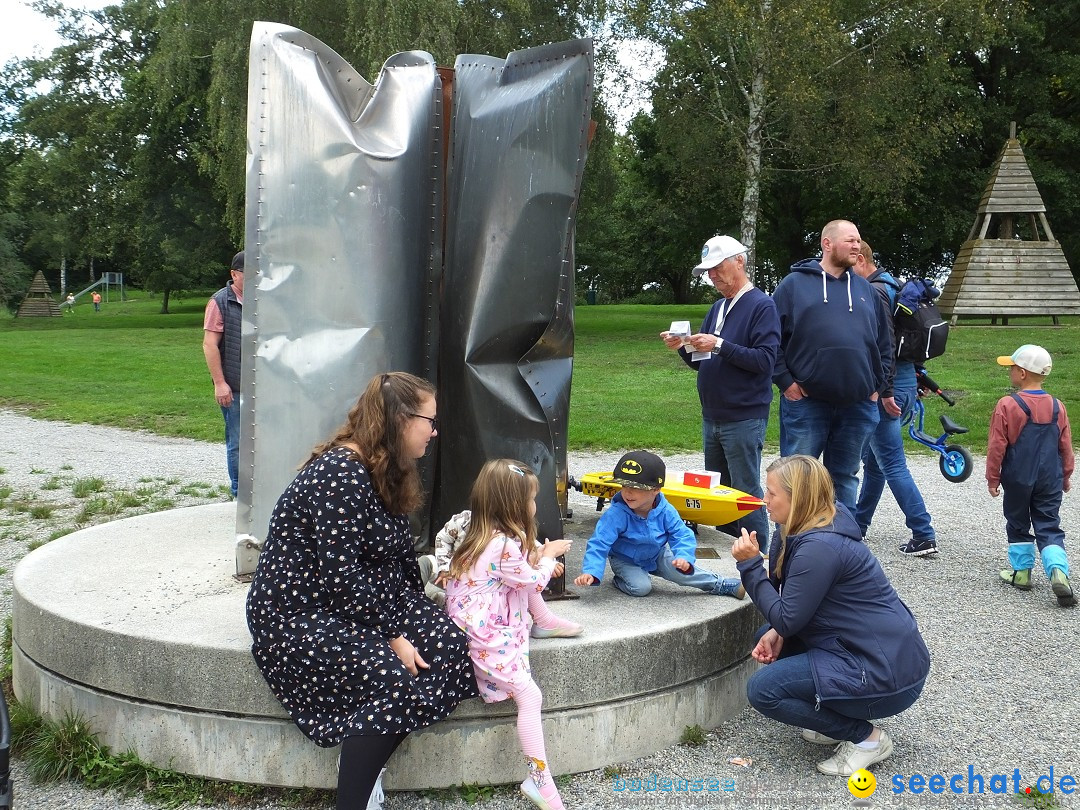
834, 359
736, 348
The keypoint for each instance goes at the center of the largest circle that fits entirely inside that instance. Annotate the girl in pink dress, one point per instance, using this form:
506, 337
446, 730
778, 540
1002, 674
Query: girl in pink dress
492, 574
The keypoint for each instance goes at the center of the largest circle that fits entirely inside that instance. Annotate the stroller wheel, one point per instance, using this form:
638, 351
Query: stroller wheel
955, 463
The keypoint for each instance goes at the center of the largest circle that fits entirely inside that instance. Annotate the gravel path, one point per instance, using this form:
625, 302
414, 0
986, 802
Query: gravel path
1001, 695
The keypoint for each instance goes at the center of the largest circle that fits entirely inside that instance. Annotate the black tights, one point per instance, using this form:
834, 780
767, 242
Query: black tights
361, 760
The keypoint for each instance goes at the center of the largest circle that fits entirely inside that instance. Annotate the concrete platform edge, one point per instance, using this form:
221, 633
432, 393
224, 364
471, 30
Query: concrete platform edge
473, 750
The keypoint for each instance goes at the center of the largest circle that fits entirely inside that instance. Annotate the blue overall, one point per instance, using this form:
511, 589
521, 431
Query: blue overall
1031, 480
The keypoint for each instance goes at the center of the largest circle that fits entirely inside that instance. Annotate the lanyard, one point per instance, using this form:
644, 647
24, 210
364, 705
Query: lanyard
728, 304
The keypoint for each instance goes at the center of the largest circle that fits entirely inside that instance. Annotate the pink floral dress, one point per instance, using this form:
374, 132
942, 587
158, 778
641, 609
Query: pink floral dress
491, 604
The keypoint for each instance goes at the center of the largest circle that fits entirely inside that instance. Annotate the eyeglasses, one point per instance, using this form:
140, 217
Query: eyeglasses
434, 420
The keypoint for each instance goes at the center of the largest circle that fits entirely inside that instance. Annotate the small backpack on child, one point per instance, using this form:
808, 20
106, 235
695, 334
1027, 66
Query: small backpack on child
921, 332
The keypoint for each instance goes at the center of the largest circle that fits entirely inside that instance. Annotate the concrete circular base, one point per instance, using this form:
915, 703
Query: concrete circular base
138, 626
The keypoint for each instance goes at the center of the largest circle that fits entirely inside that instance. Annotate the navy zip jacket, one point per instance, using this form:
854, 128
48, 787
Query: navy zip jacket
861, 638
736, 383
835, 341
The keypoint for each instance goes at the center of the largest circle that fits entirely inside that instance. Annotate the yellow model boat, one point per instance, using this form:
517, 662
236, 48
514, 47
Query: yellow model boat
709, 506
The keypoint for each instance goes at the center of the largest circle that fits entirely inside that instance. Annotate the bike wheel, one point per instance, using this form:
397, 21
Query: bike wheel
955, 463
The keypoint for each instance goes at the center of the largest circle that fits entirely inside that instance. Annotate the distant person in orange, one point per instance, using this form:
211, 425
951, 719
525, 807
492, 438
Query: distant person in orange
97, 301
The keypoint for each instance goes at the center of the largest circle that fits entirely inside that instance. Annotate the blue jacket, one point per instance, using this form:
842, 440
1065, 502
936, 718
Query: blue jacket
834, 338
862, 639
736, 384
623, 532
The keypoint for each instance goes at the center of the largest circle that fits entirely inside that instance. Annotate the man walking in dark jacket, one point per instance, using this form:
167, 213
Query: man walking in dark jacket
221, 348
733, 355
884, 460
834, 359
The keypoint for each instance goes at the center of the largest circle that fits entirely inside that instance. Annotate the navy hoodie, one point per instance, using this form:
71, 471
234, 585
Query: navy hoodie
861, 638
835, 340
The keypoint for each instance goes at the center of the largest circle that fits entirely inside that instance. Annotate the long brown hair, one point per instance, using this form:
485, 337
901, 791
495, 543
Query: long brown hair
375, 425
813, 499
500, 503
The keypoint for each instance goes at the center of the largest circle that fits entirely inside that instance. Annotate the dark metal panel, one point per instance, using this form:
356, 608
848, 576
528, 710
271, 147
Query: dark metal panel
518, 148
343, 241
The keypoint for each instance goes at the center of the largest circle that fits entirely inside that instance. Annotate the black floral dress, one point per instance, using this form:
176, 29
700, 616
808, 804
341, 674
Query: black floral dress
336, 581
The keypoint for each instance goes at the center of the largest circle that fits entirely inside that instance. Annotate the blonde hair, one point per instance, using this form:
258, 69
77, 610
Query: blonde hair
813, 499
376, 425
499, 502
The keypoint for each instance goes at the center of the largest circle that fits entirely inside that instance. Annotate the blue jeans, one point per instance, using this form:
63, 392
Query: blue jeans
884, 461
632, 579
232, 440
784, 690
734, 450
838, 434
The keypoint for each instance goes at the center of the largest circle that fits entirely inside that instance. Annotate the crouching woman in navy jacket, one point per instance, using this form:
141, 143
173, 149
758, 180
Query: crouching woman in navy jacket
842, 649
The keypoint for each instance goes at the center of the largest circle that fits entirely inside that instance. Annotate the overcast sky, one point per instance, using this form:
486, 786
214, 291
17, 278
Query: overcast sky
24, 32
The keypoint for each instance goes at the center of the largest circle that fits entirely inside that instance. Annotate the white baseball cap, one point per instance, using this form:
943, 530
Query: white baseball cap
1029, 357
716, 250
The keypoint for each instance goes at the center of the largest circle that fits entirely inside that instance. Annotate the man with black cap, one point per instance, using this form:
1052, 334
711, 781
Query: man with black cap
221, 348
641, 536
733, 355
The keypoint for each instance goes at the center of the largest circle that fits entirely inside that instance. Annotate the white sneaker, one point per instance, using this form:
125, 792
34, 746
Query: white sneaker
850, 758
375, 800
817, 738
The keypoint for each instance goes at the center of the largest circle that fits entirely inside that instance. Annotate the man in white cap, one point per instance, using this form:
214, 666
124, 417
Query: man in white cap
735, 350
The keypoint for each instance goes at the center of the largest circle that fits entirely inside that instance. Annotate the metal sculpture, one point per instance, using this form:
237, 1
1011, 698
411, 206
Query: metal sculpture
356, 266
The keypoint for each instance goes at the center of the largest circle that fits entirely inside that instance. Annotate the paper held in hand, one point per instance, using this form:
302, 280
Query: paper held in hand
681, 329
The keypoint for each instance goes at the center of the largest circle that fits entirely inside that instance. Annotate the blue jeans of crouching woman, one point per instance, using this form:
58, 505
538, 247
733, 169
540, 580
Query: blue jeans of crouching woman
784, 690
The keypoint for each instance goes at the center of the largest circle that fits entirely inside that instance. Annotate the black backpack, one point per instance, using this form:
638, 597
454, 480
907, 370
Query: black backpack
920, 331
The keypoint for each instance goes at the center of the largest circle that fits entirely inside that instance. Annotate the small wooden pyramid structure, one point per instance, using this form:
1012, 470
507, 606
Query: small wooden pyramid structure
1009, 273
39, 302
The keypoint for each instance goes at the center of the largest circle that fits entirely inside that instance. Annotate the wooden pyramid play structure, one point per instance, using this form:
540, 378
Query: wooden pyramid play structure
39, 302
1010, 265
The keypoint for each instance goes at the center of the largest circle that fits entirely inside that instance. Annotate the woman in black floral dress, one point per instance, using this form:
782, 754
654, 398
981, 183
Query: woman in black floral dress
342, 630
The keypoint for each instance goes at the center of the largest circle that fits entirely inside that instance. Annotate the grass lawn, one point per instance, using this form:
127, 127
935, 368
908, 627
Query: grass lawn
130, 367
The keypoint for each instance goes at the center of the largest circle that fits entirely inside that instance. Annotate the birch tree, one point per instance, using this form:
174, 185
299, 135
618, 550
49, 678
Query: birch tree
809, 86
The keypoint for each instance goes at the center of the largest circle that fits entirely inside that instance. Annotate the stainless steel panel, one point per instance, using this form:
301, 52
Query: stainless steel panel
518, 147
343, 240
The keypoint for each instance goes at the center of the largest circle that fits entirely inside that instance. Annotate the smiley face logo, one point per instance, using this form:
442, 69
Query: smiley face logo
861, 783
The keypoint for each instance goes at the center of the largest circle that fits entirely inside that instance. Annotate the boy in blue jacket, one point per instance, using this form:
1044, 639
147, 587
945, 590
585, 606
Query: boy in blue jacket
641, 536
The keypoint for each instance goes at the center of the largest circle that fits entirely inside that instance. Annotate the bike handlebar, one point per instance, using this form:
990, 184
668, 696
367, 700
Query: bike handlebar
924, 381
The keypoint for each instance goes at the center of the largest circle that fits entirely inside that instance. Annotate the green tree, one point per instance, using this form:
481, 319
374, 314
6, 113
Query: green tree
105, 169
812, 94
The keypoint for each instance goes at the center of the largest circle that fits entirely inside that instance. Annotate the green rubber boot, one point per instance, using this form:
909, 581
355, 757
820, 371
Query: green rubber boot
1060, 583
1018, 579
